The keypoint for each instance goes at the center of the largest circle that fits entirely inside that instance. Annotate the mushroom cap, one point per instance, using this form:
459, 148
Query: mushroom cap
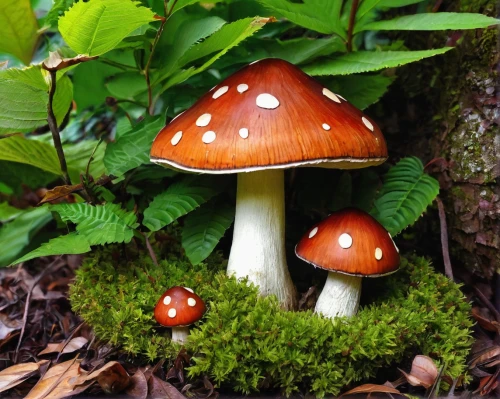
269, 114
350, 241
179, 307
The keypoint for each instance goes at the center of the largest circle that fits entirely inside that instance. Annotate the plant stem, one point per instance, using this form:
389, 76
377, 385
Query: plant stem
51, 119
448, 270
352, 20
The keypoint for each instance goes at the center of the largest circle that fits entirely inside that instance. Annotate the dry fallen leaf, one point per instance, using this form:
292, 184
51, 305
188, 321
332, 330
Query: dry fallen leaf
59, 192
372, 388
14, 375
112, 378
138, 388
423, 372
159, 389
484, 320
73, 345
485, 356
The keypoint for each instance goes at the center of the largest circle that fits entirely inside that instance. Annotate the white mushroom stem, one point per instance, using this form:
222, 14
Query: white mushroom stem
180, 334
340, 296
258, 249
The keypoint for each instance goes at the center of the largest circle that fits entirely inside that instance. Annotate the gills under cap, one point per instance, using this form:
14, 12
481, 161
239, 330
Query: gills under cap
269, 114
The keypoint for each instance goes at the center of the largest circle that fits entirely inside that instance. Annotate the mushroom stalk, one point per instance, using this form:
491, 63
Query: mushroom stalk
340, 296
258, 249
180, 334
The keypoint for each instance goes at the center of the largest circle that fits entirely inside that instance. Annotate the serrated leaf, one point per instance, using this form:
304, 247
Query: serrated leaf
179, 5
99, 224
97, 26
71, 244
16, 235
405, 195
204, 228
178, 200
369, 5
24, 98
318, 15
432, 21
18, 29
57, 10
368, 61
132, 147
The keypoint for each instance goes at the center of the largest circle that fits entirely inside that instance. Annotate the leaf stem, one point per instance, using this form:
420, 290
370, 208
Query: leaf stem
352, 21
51, 119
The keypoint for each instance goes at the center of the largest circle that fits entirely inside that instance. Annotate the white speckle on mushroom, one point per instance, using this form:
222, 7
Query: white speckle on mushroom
326, 126
191, 301
242, 88
395, 246
367, 123
172, 313
203, 120
345, 241
176, 138
208, 137
243, 132
167, 300
189, 289
220, 92
313, 232
330, 95
378, 253
267, 101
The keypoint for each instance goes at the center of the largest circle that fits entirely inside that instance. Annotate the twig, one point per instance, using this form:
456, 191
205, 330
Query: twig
153, 48
51, 119
486, 302
444, 240
91, 158
28, 300
150, 249
352, 20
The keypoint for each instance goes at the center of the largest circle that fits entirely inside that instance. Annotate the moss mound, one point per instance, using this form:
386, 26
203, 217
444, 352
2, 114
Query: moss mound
249, 344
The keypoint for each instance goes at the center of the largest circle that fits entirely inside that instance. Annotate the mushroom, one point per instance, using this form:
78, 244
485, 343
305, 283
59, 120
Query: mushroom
178, 308
350, 244
267, 117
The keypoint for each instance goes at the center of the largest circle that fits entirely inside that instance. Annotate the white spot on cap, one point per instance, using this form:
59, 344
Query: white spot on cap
172, 313
208, 137
330, 95
242, 88
367, 123
326, 126
189, 289
203, 120
191, 301
313, 232
167, 300
345, 241
176, 138
395, 246
220, 92
267, 101
378, 253
243, 132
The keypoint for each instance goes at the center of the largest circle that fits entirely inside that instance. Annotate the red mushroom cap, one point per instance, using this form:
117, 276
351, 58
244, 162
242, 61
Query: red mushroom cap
269, 114
179, 307
350, 241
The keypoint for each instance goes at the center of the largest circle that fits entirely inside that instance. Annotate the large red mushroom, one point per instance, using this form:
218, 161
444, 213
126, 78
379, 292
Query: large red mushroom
265, 118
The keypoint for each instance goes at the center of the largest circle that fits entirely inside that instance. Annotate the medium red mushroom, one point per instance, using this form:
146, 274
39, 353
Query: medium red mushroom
350, 244
265, 118
178, 308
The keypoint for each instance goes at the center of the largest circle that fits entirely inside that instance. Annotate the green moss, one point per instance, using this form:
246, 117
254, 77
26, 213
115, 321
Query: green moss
248, 343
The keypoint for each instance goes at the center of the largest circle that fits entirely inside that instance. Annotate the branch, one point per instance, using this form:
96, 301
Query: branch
352, 20
54, 128
444, 240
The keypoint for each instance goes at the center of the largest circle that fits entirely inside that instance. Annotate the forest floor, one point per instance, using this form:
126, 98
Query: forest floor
53, 354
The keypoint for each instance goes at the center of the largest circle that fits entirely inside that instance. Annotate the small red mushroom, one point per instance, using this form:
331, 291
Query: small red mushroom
178, 308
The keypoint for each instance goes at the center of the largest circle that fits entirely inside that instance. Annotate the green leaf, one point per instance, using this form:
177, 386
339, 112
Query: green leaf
405, 195
78, 155
179, 5
132, 147
71, 244
318, 15
432, 21
97, 26
18, 29
363, 90
7, 212
31, 152
220, 43
16, 235
17, 176
57, 10
368, 61
178, 200
100, 224
24, 98
203, 229
367, 6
